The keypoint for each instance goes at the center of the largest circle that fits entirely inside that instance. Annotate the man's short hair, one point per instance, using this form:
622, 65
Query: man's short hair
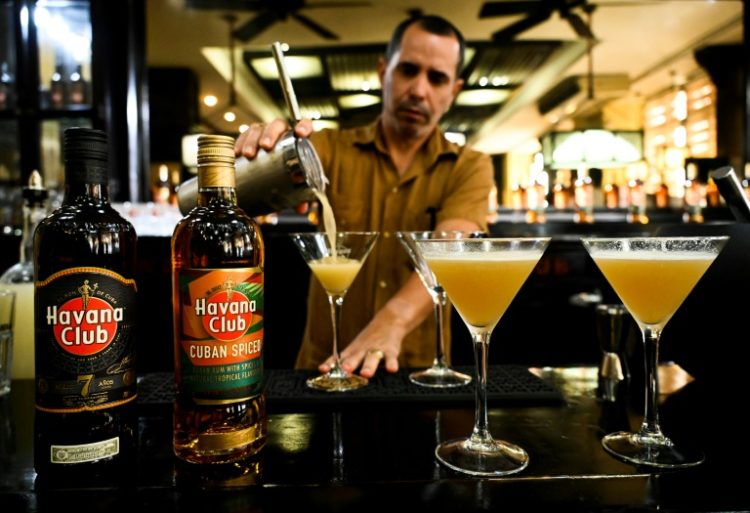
432, 24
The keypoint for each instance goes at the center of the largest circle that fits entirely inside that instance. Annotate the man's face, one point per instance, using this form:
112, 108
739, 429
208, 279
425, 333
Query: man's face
419, 82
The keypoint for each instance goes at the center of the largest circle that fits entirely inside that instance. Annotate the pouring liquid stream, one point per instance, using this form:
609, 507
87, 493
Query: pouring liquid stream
329, 222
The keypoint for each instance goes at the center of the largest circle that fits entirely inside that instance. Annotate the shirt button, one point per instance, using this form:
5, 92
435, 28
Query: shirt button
386, 234
394, 190
383, 284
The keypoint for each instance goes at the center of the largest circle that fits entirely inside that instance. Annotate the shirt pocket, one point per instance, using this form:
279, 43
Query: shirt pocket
349, 214
421, 208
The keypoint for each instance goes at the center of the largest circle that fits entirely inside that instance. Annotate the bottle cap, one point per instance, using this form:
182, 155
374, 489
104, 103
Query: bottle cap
86, 155
216, 161
215, 150
34, 191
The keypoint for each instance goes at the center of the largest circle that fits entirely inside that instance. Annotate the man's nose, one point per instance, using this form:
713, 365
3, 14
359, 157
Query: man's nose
420, 85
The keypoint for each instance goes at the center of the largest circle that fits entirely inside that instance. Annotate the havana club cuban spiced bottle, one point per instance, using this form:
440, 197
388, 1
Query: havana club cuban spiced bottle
217, 284
85, 308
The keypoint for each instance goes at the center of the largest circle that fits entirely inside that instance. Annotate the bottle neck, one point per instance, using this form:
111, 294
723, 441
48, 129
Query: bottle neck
32, 215
216, 183
78, 191
207, 195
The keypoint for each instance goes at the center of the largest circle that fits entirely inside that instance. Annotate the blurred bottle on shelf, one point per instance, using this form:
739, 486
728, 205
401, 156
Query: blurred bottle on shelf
661, 195
57, 88
611, 192
536, 198
584, 198
597, 174
7, 88
517, 197
20, 278
561, 189
637, 203
161, 189
713, 197
694, 197
77, 88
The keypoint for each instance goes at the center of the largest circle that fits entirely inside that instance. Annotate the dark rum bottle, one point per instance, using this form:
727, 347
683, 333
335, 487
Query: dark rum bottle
85, 318
217, 286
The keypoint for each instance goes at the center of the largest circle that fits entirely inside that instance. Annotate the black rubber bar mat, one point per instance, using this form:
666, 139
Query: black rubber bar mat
286, 388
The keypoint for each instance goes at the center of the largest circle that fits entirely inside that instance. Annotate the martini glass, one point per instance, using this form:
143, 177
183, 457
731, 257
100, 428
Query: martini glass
439, 375
335, 266
481, 277
652, 276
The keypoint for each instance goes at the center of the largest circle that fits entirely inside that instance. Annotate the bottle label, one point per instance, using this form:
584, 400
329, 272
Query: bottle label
220, 326
68, 454
85, 347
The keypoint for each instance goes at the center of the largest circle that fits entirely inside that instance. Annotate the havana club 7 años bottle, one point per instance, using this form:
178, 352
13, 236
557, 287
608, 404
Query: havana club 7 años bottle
85, 308
217, 283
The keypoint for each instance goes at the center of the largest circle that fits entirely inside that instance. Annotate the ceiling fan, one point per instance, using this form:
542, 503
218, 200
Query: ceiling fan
536, 11
272, 11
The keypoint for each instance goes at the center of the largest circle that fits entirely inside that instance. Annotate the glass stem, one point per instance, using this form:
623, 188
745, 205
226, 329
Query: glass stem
650, 426
440, 302
336, 302
481, 431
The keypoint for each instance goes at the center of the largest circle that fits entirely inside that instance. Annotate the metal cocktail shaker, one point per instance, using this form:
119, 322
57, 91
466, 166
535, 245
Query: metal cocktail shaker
271, 182
274, 180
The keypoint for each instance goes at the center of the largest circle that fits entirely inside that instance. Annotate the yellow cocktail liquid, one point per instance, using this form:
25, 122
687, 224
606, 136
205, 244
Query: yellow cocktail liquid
481, 285
336, 274
653, 284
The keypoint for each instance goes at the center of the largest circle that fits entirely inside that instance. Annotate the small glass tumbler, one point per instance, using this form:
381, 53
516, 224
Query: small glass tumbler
7, 304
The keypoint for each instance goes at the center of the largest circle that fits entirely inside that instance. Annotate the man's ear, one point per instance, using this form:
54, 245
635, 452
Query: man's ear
382, 65
457, 88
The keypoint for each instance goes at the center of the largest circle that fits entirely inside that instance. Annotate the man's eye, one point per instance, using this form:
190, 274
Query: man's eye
437, 78
407, 69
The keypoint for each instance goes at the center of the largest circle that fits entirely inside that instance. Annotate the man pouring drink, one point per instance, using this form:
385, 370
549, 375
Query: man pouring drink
398, 173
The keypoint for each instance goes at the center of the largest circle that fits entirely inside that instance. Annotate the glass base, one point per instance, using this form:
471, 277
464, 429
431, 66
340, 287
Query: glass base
337, 383
488, 458
439, 377
650, 451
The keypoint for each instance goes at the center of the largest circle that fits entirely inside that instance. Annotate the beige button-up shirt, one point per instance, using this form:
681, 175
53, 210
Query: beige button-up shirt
445, 181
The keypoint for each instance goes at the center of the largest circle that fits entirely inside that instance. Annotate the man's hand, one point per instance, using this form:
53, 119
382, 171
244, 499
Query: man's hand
265, 136
383, 336
380, 340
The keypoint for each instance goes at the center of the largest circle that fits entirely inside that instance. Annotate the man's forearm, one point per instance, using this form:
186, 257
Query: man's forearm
412, 303
409, 306
458, 224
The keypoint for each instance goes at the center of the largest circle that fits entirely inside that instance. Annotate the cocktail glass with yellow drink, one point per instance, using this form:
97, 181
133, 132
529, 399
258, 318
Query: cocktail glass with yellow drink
335, 266
440, 374
652, 276
481, 278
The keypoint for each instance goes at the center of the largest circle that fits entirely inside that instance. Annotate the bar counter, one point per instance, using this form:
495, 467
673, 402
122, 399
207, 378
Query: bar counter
377, 452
